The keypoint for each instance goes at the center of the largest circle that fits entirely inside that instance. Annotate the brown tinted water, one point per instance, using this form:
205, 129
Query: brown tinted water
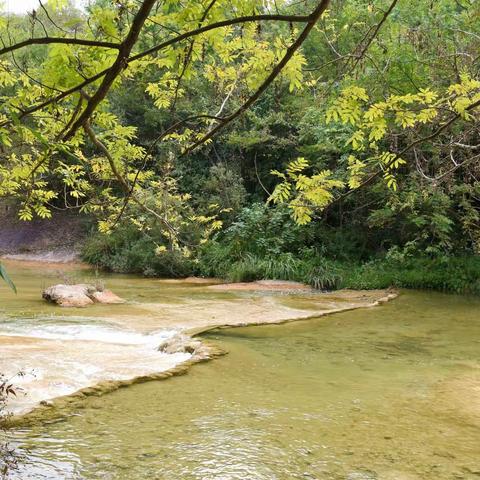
391, 392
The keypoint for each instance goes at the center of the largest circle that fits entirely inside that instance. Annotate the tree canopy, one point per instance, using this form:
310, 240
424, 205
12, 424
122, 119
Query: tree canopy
170, 117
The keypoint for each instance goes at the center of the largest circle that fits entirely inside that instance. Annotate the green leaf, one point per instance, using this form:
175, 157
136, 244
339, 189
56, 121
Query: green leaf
6, 278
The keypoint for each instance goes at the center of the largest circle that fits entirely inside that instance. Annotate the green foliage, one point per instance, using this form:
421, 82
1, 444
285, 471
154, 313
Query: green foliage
446, 274
264, 243
4, 276
423, 220
128, 250
395, 121
317, 272
46, 148
303, 193
222, 187
263, 231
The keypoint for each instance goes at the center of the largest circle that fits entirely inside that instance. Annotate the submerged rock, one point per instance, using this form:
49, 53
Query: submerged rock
106, 296
181, 343
80, 295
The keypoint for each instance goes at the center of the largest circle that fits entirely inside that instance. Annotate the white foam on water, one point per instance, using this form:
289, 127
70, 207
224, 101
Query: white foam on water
58, 360
87, 333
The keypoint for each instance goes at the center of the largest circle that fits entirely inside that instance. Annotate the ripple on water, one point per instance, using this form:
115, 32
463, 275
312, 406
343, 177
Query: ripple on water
383, 393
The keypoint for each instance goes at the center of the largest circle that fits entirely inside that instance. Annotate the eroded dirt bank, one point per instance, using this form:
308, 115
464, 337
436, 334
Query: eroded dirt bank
57, 239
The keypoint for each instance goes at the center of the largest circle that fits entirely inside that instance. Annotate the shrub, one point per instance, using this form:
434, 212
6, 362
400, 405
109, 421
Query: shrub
447, 274
9, 457
128, 250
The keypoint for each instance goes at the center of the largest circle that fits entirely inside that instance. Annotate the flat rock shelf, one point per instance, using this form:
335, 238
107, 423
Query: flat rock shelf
62, 352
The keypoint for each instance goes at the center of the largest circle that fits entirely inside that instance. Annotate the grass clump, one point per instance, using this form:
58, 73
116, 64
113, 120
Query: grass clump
127, 250
445, 274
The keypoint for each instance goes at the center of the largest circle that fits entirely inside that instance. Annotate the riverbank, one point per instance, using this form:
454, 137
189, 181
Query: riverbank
58, 239
68, 239
440, 272
69, 354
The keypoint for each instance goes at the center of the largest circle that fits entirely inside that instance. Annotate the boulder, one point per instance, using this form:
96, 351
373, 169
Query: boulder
80, 295
105, 296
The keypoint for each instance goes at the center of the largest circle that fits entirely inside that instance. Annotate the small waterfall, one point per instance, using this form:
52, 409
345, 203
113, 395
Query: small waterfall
59, 359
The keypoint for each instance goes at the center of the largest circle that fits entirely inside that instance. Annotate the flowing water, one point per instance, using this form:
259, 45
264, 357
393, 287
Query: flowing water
62, 350
391, 392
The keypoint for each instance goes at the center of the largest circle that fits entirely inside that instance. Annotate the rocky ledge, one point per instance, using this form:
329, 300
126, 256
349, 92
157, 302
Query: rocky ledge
80, 295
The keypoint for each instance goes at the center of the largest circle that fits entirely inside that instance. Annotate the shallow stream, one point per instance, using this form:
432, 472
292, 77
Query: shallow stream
390, 392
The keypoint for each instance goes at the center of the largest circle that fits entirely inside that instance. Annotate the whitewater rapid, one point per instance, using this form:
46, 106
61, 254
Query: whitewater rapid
58, 360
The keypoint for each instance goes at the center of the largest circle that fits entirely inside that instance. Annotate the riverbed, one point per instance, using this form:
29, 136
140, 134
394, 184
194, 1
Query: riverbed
390, 392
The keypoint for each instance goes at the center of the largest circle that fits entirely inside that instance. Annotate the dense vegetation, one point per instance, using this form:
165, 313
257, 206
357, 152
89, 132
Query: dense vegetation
355, 165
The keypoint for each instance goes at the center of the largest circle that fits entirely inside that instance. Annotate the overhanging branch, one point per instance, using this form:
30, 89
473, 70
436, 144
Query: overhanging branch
409, 147
127, 60
129, 192
312, 20
61, 40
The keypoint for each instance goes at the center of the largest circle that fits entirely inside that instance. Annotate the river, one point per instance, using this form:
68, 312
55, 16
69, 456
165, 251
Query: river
390, 392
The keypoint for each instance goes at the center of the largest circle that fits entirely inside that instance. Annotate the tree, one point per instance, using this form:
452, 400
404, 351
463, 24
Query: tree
57, 128
410, 114
199, 67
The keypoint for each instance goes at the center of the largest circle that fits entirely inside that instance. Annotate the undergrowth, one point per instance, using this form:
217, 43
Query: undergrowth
265, 244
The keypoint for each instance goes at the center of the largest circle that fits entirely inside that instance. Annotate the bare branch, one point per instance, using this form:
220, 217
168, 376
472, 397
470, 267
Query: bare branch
49, 17
375, 33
